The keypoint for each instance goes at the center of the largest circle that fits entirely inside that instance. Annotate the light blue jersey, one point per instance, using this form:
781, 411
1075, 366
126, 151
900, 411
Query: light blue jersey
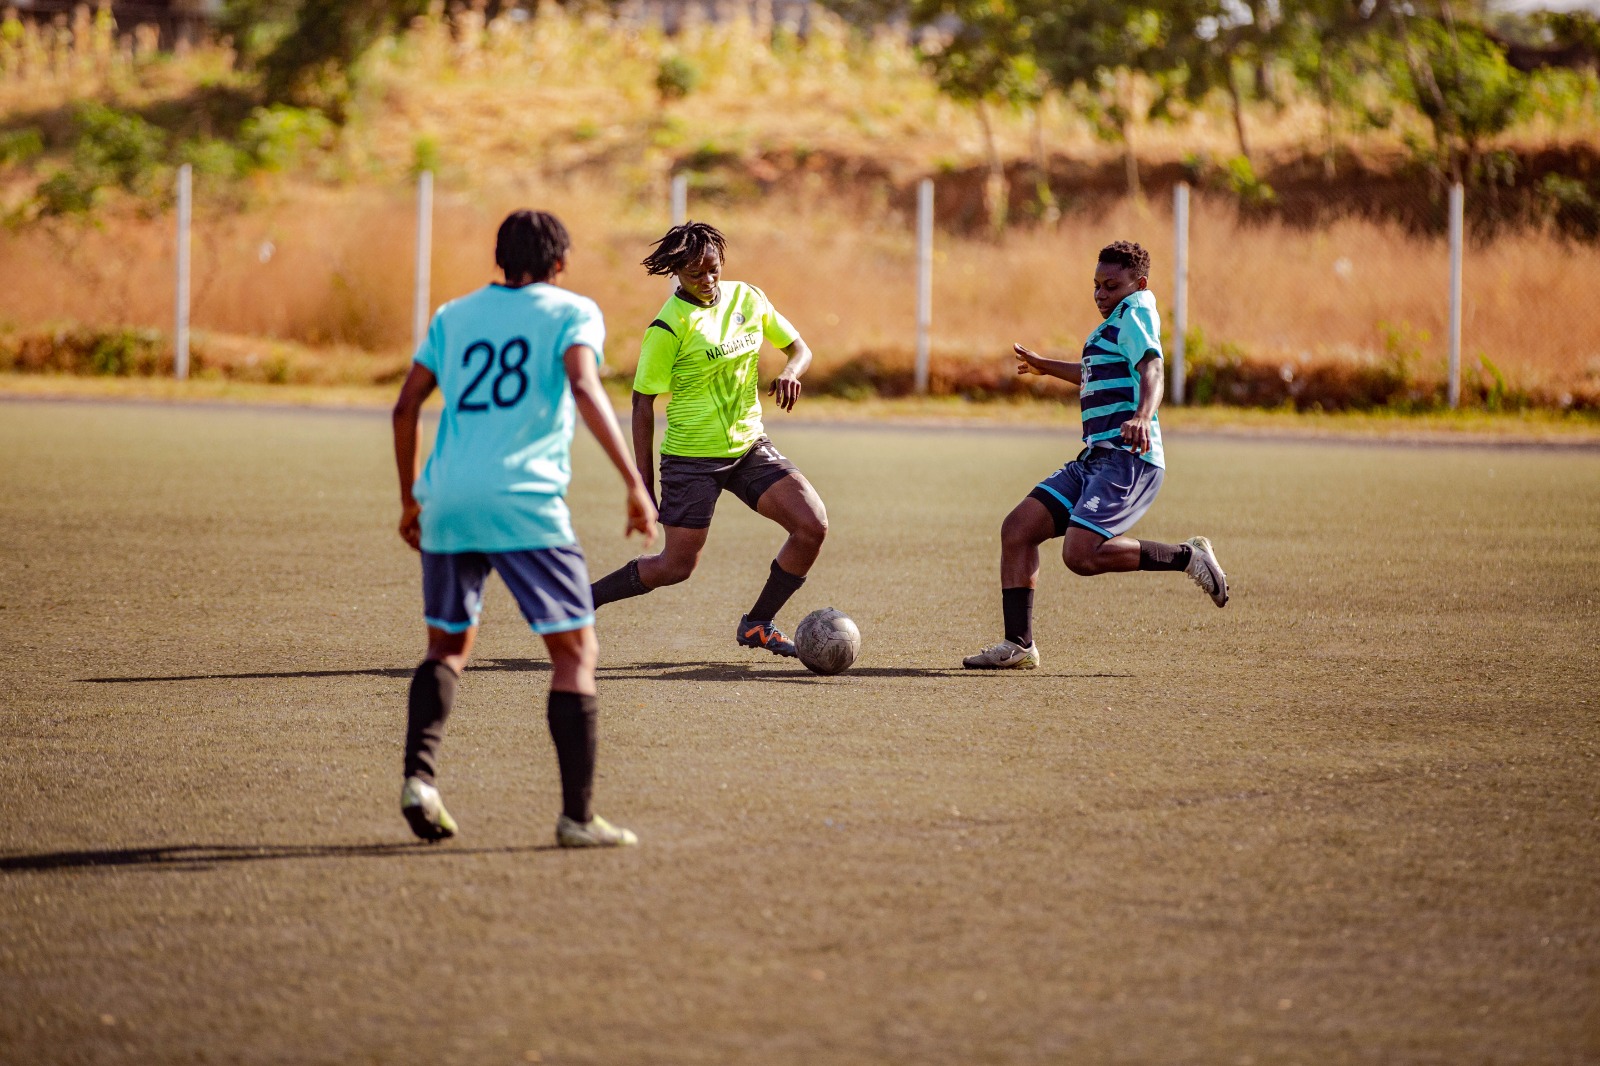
1111, 388
501, 462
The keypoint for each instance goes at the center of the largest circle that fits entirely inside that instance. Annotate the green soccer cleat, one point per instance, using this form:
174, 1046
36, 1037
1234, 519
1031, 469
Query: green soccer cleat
1206, 571
595, 833
1004, 656
424, 811
764, 635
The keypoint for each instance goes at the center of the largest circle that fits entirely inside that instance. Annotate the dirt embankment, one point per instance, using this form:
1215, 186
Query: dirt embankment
1556, 186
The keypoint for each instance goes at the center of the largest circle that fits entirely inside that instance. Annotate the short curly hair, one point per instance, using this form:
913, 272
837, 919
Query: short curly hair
531, 244
1126, 254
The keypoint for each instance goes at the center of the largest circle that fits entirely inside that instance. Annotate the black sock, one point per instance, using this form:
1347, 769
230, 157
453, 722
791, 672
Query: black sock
619, 585
1017, 606
779, 587
433, 693
574, 726
1154, 555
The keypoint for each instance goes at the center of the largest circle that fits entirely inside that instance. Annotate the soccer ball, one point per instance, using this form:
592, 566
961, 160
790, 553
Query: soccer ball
828, 641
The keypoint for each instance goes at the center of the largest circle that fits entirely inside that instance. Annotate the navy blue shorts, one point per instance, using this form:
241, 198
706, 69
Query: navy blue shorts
1105, 490
551, 585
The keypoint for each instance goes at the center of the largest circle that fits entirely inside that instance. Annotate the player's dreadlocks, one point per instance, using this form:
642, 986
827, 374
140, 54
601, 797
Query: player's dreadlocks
531, 243
1126, 254
683, 246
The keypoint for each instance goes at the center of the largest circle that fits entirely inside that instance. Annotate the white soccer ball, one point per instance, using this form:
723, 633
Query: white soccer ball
828, 641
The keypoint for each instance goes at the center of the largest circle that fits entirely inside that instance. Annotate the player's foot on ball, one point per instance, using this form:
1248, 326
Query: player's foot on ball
1206, 571
764, 635
1004, 656
595, 833
424, 811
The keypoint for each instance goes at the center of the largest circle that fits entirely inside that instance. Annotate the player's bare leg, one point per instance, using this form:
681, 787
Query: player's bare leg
573, 716
1087, 553
1028, 525
679, 555
794, 505
433, 693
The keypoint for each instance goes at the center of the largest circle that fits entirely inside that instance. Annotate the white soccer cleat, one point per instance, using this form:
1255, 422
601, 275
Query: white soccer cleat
1004, 656
595, 833
1206, 571
424, 811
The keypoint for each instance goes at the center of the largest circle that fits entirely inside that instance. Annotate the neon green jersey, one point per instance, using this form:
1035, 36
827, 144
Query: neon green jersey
706, 358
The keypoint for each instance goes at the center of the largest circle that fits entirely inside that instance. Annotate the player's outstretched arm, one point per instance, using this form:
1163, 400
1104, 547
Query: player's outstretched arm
1031, 362
595, 407
419, 385
1136, 430
785, 388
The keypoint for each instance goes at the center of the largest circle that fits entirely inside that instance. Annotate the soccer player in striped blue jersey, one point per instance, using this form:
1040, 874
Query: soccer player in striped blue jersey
1096, 498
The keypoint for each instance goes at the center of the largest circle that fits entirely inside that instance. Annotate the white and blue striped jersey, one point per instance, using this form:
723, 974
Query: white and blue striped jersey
1111, 389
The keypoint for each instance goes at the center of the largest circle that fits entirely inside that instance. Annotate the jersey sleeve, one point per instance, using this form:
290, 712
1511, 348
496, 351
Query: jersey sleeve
586, 326
430, 353
774, 327
657, 352
1141, 334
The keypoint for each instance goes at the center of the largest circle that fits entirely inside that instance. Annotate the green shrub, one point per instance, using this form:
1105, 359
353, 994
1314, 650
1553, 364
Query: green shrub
279, 136
1571, 205
19, 146
117, 148
676, 78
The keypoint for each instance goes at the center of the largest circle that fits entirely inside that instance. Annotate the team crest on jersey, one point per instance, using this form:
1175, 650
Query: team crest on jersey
738, 318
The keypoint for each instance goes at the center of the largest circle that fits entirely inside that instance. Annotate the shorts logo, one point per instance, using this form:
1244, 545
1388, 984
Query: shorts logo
1093, 504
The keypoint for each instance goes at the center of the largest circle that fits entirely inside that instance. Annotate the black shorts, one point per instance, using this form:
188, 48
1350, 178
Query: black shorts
691, 484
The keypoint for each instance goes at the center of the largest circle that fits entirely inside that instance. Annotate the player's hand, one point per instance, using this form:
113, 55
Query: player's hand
411, 524
641, 516
1136, 433
786, 390
1025, 361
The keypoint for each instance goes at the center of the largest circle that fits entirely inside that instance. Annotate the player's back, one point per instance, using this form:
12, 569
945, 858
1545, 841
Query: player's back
501, 460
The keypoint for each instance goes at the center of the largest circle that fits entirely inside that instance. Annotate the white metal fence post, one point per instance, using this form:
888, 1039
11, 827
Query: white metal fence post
924, 280
680, 199
1180, 286
422, 294
1457, 213
180, 325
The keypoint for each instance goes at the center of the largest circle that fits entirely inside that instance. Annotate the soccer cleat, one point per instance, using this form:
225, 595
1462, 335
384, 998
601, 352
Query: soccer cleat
1206, 571
1004, 656
595, 833
764, 635
424, 811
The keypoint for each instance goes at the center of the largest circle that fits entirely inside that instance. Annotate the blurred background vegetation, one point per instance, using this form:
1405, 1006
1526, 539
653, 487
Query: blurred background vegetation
1320, 136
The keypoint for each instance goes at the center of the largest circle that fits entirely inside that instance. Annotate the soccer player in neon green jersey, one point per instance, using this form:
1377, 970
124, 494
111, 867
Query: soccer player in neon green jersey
514, 361
1096, 498
703, 348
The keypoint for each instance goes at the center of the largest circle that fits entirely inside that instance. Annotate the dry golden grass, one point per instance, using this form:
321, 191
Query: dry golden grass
322, 267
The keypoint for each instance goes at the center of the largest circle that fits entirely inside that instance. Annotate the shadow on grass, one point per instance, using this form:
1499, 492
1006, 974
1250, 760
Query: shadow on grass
205, 856
675, 671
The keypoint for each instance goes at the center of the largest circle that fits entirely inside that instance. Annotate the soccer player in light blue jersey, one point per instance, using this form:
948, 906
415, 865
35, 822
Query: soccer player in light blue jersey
514, 362
1096, 498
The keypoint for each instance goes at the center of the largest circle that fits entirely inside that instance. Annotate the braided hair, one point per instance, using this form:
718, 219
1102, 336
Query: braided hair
684, 246
530, 244
1126, 254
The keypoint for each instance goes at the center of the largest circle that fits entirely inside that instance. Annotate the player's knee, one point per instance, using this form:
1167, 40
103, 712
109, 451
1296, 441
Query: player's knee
1080, 562
1017, 532
674, 569
813, 528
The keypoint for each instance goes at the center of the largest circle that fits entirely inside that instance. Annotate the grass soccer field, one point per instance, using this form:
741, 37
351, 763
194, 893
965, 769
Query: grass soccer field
1352, 818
